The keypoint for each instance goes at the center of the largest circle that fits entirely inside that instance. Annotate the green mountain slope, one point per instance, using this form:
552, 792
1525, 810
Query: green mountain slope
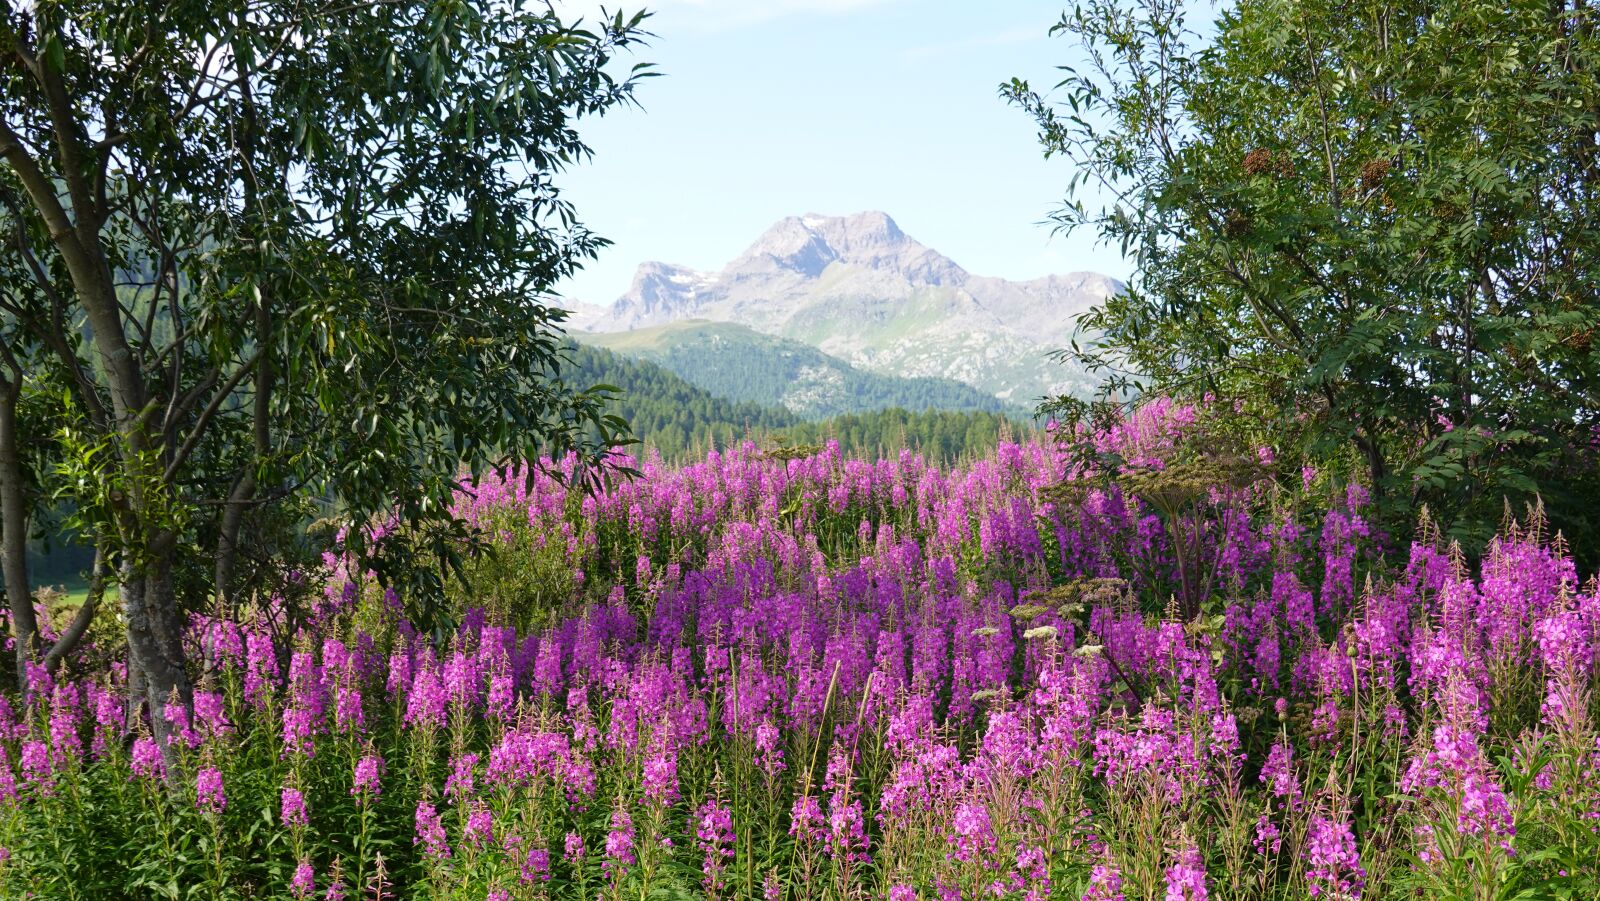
667, 413
741, 364
681, 421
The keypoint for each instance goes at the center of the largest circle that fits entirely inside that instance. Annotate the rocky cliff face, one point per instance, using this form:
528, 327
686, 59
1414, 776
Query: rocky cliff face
861, 289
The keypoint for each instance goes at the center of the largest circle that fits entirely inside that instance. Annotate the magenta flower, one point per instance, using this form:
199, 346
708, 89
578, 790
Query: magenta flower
619, 845
292, 809
367, 779
430, 832
146, 759
304, 881
1334, 866
8, 781
572, 847
1186, 878
34, 764
661, 778
208, 794
714, 835
536, 866
971, 833
461, 781
1105, 883
480, 824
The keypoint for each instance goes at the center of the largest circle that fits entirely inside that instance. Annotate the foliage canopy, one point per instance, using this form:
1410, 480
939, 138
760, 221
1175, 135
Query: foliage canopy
1371, 224
259, 254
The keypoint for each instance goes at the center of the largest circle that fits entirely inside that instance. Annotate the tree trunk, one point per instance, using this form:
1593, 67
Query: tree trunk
14, 537
75, 630
228, 542
155, 649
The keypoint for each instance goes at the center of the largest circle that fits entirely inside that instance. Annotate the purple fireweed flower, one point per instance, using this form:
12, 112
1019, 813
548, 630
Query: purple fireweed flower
8, 781
40, 683
1279, 777
480, 824
1186, 878
146, 759
427, 702
715, 838
1105, 883
10, 726
64, 715
769, 749
501, 701
208, 794
806, 823
348, 714
1268, 837
847, 834
535, 866
971, 833
299, 727
461, 782
661, 778
619, 845
366, 781
304, 881
261, 668
210, 712
1334, 866
292, 809
430, 832
182, 732
572, 848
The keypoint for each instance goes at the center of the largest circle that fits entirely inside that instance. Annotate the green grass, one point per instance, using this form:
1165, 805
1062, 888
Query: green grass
76, 589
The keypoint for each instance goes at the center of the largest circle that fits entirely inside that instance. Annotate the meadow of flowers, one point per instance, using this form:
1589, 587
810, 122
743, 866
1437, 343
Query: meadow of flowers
812, 677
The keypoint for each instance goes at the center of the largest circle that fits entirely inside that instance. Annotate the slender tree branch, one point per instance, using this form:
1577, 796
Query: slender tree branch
198, 430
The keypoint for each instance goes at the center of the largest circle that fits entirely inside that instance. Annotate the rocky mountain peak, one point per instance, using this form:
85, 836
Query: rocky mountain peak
807, 245
859, 288
663, 289
790, 244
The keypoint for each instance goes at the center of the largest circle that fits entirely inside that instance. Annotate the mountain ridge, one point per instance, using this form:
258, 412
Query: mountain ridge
859, 288
736, 362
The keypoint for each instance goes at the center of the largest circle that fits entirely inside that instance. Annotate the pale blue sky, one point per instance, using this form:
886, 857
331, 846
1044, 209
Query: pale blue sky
770, 108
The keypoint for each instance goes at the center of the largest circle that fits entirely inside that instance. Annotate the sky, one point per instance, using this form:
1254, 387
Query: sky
773, 108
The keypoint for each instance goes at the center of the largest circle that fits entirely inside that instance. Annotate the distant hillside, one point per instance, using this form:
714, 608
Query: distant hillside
667, 413
940, 435
862, 290
682, 422
741, 364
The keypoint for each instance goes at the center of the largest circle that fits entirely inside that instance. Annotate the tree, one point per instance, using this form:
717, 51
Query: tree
1374, 224
288, 250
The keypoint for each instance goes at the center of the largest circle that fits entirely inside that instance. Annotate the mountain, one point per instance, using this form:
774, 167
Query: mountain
741, 364
862, 290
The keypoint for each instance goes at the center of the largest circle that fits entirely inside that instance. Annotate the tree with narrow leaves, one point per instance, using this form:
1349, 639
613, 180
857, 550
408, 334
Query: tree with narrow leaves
1373, 225
287, 250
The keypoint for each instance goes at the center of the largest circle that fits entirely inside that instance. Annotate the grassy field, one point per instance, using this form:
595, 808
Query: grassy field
74, 590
